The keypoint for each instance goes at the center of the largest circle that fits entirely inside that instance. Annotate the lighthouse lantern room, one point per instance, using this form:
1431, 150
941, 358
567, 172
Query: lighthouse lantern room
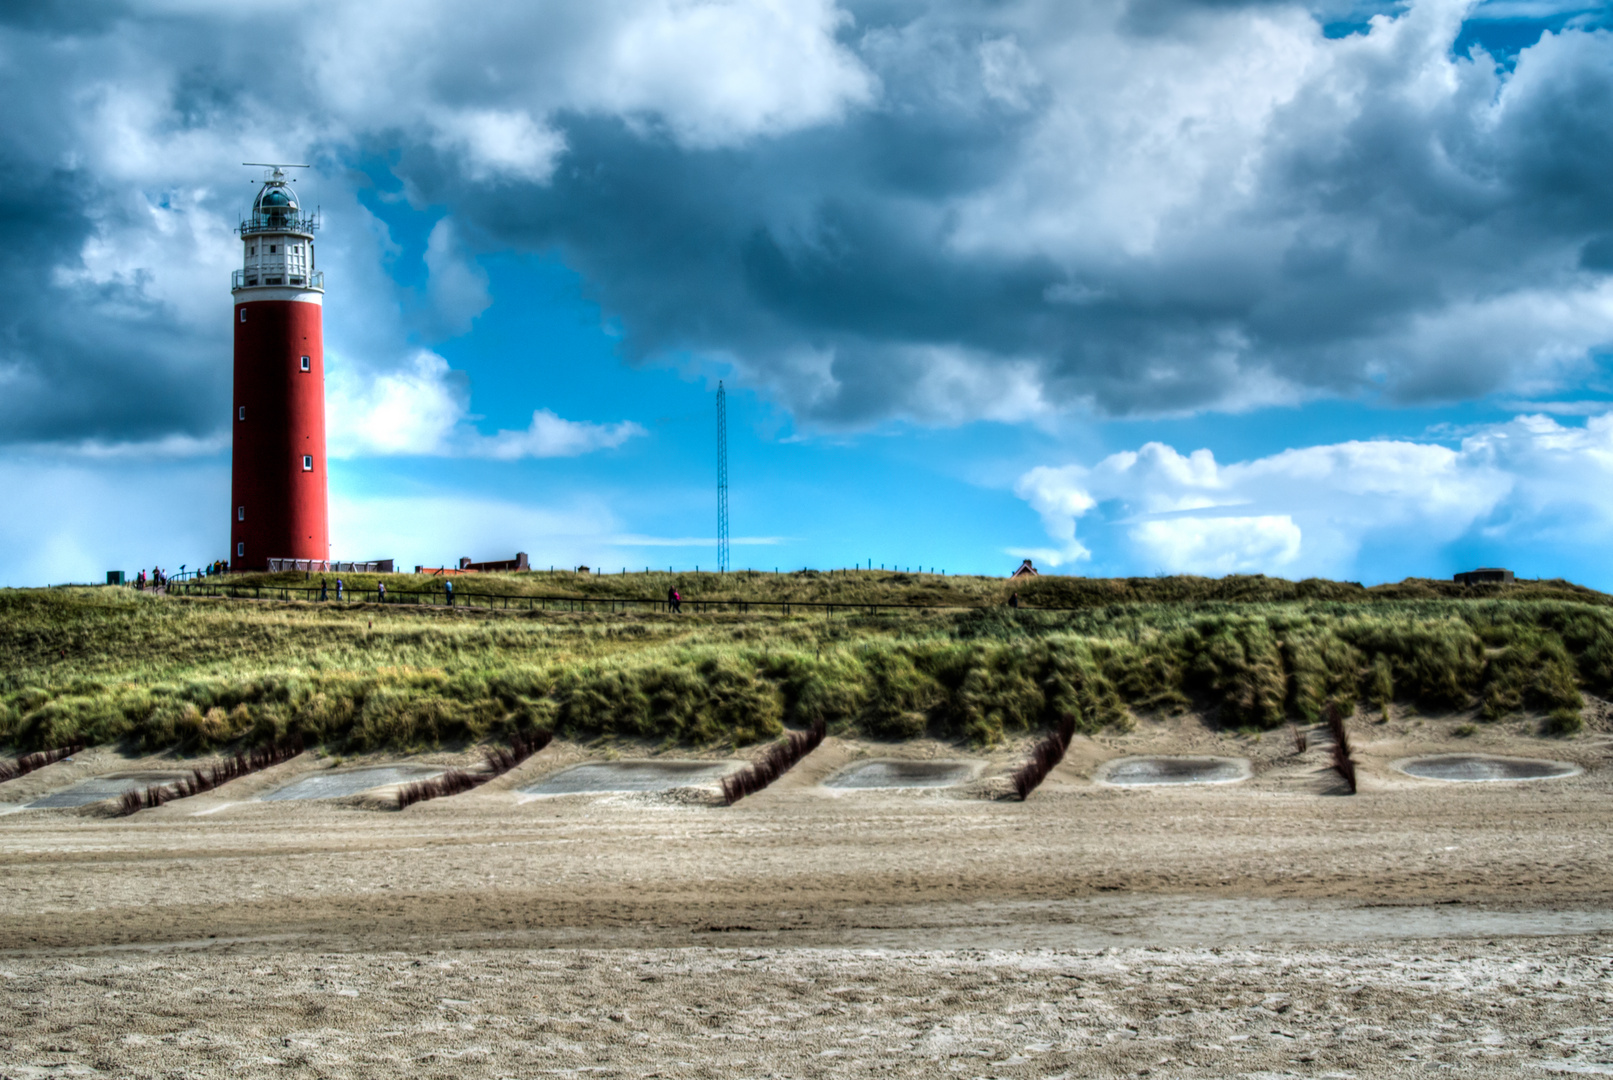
277, 469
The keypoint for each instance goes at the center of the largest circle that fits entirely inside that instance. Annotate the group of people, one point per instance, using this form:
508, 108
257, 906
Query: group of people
341, 590
158, 578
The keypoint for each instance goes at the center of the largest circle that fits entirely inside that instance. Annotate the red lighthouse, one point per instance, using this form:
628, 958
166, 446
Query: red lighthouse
278, 504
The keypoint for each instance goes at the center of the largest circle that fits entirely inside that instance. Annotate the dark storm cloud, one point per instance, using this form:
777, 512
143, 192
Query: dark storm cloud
61, 16
1427, 249
86, 359
99, 350
936, 211
817, 241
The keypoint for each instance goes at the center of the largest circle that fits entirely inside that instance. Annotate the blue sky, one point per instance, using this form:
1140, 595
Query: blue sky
1138, 287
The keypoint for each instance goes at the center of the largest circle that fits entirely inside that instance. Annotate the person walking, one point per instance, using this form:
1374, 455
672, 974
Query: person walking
339, 588
380, 592
1013, 600
324, 593
673, 601
448, 587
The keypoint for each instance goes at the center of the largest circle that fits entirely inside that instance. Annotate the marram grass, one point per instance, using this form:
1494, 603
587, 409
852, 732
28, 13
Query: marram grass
114, 665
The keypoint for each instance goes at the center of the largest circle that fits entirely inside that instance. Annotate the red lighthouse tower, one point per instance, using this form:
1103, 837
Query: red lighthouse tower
278, 504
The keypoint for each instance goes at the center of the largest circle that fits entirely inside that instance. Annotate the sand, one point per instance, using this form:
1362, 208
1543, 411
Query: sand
1264, 928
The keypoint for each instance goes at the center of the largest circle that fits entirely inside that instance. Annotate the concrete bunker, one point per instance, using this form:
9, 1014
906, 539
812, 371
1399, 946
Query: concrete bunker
901, 774
1161, 769
1482, 768
617, 777
336, 785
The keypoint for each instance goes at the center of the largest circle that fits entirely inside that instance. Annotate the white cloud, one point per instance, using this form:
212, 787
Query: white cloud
1058, 495
1562, 479
487, 87
1227, 545
1006, 73
719, 73
423, 410
550, 436
411, 411
1146, 137
170, 249
1311, 510
499, 144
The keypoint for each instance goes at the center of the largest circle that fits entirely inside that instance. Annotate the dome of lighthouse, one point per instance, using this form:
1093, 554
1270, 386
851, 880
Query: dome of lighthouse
275, 196
276, 208
275, 204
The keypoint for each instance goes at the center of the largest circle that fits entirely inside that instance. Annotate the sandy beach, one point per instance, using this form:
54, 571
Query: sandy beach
1268, 927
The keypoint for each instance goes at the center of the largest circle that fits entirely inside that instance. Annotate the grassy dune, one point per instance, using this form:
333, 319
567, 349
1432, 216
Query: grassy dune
896, 587
110, 664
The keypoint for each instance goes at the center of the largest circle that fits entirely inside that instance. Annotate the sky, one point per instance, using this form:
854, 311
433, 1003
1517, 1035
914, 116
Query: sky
1126, 287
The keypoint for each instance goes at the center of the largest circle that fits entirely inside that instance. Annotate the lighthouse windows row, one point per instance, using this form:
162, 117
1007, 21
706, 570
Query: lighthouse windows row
279, 264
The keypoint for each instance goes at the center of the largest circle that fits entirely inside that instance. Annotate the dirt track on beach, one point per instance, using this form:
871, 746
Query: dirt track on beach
1260, 928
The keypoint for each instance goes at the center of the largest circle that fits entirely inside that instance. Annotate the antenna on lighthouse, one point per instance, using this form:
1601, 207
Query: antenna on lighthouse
279, 168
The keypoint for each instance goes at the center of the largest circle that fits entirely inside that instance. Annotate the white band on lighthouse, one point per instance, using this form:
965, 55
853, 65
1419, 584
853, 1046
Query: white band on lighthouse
301, 296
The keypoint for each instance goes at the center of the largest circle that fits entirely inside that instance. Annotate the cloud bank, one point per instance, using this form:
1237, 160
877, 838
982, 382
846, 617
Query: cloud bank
1531, 484
935, 211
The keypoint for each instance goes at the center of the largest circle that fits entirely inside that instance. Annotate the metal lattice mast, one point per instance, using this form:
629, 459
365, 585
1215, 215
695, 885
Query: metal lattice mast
722, 479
